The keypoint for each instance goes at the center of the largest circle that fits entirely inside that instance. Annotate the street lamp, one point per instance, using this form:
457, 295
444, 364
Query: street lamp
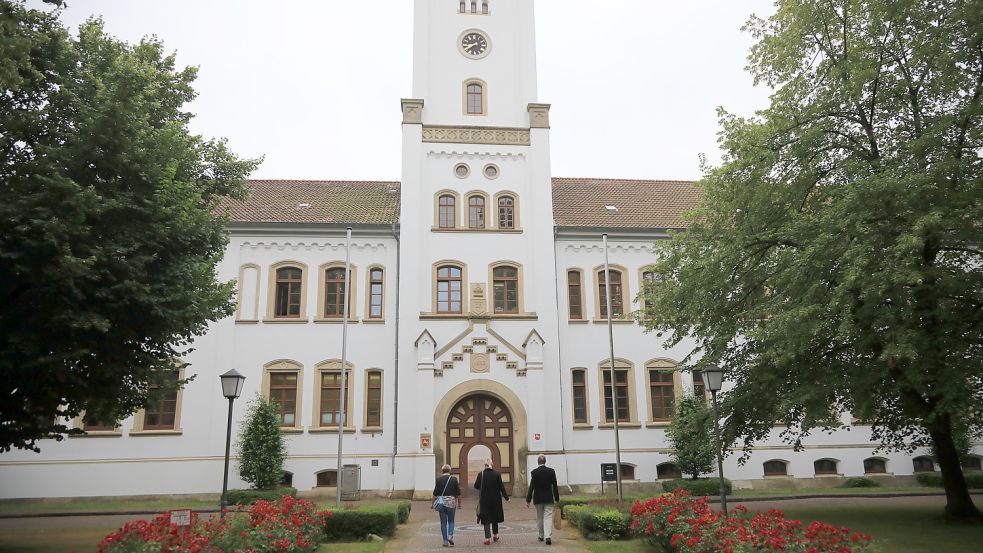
713, 379
231, 388
614, 391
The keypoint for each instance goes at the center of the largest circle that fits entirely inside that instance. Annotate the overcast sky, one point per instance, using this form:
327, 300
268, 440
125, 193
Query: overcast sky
315, 85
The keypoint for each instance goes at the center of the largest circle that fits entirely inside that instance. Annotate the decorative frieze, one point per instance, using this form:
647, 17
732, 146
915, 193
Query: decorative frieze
477, 135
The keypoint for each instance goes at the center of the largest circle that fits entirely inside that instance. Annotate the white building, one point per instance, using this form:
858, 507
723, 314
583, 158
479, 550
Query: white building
476, 326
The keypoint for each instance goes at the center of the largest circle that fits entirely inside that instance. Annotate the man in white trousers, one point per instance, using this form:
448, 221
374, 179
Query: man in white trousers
544, 493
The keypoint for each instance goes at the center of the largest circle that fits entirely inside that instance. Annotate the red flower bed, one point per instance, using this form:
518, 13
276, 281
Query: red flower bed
681, 524
287, 525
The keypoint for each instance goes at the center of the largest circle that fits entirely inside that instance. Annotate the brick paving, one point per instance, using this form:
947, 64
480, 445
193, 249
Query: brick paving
421, 533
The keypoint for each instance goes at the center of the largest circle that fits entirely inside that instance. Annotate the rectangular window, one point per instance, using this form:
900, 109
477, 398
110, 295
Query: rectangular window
92, 424
575, 295
373, 399
449, 290
580, 397
699, 388
621, 388
162, 411
334, 292
648, 279
375, 293
330, 414
505, 291
662, 394
283, 394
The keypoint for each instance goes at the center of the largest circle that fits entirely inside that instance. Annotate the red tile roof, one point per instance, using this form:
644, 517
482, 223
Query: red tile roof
577, 202
641, 203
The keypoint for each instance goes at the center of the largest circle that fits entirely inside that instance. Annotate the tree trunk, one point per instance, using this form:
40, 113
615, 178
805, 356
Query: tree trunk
959, 504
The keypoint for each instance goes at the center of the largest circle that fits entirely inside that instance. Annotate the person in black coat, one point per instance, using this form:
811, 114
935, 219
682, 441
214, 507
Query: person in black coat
449, 491
492, 490
543, 492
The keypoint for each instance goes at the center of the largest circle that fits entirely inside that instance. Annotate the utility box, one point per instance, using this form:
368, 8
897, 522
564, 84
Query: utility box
351, 482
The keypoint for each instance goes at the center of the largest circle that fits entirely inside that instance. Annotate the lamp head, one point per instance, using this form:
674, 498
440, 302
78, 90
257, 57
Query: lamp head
713, 378
232, 384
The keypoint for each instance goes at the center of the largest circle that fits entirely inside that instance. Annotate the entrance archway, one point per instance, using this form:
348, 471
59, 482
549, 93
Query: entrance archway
480, 425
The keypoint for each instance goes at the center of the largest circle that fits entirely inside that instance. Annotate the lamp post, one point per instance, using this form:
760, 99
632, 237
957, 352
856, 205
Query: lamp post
231, 388
614, 391
713, 379
344, 361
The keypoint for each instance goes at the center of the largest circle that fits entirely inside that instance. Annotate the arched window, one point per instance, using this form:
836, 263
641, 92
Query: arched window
506, 212
776, 468
617, 304
476, 212
923, 464
289, 284
463, 9
668, 471
474, 6
484, 6
505, 289
287, 479
334, 293
327, 479
580, 397
476, 99
825, 466
373, 399
448, 211
449, 283
575, 294
627, 472
375, 292
873, 465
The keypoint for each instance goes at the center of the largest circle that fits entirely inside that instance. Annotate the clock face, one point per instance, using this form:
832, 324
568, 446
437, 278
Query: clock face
474, 44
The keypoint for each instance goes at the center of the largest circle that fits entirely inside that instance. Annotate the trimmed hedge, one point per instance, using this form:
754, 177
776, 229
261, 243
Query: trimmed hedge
860, 482
403, 510
356, 524
700, 487
974, 480
250, 496
599, 523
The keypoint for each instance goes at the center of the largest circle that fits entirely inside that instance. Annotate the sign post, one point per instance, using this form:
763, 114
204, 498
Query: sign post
609, 473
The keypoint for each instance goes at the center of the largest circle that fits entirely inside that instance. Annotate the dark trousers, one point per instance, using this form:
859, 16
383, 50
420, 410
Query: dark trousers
493, 529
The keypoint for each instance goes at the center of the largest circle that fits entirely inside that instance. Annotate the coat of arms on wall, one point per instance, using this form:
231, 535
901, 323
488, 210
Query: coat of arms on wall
479, 304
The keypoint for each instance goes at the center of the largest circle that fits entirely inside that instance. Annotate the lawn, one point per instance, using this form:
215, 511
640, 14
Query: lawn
51, 540
835, 491
98, 505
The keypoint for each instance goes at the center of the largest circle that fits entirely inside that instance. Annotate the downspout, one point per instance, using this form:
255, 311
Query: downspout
392, 463
559, 359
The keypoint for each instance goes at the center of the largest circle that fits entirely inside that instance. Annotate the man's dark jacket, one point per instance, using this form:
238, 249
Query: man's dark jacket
542, 486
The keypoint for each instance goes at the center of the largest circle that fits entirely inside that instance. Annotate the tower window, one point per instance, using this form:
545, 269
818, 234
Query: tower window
448, 211
475, 99
506, 212
476, 212
474, 6
484, 7
449, 286
505, 288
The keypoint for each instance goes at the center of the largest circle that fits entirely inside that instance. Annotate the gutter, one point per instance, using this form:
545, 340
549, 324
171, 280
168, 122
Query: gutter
392, 462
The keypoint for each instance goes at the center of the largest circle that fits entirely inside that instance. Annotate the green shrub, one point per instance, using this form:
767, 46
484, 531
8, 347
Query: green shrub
356, 524
860, 482
261, 446
599, 523
974, 480
572, 500
250, 496
403, 510
703, 486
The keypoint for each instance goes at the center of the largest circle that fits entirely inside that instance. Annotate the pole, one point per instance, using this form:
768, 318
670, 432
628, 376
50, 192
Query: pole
225, 478
344, 352
614, 391
720, 453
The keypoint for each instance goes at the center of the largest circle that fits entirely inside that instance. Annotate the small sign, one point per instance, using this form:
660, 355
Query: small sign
609, 472
425, 441
537, 436
181, 517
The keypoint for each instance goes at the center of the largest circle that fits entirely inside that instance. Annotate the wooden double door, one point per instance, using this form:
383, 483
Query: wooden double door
480, 427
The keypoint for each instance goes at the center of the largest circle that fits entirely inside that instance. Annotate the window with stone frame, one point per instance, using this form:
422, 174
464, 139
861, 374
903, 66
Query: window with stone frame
621, 390
334, 292
476, 101
923, 464
505, 289
447, 211
873, 465
668, 471
775, 468
283, 396
617, 303
376, 283
580, 414
825, 467
506, 212
476, 212
327, 479
161, 413
575, 295
662, 394
449, 289
373, 399
330, 404
289, 288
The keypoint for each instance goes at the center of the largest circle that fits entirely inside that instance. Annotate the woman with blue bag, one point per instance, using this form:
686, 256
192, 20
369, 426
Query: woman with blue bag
446, 500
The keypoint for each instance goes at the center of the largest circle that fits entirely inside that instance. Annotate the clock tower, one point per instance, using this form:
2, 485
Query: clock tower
478, 308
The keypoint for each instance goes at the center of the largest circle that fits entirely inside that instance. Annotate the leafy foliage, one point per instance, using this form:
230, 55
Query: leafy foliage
356, 524
834, 264
934, 480
860, 482
109, 237
690, 435
261, 447
701, 487
599, 523
250, 496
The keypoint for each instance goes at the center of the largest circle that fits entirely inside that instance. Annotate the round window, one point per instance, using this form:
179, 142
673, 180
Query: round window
491, 171
461, 170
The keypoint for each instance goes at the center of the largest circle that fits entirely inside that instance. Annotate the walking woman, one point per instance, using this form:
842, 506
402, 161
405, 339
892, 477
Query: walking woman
491, 490
446, 500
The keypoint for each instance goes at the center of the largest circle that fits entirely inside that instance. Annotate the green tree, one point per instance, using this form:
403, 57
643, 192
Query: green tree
834, 264
261, 447
108, 234
690, 435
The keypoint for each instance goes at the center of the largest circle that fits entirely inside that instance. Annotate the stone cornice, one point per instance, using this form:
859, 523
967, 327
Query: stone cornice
508, 136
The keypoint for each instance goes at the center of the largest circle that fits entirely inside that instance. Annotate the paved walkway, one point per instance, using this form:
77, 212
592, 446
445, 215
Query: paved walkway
422, 532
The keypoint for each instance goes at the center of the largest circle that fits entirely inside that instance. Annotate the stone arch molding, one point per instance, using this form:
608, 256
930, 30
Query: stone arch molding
520, 445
